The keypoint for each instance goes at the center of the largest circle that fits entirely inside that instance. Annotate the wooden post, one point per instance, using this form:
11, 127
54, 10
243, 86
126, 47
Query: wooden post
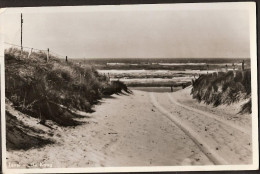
66, 58
234, 70
21, 34
30, 53
243, 68
48, 54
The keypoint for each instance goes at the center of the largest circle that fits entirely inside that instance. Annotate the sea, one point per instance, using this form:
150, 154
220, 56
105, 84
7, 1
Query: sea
162, 72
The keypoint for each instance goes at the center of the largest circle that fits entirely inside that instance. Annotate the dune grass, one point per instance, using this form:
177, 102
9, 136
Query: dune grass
50, 90
224, 88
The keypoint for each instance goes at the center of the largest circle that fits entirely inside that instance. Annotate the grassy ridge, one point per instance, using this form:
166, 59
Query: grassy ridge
51, 90
224, 88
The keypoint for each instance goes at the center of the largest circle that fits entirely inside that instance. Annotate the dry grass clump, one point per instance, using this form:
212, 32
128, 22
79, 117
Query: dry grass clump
115, 87
224, 88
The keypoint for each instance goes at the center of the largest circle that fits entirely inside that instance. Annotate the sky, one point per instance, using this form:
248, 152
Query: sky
136, 31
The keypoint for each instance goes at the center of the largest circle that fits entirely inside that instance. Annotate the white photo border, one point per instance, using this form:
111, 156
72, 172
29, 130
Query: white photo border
250, 6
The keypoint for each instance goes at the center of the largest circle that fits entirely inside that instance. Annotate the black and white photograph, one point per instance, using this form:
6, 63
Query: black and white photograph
112, 88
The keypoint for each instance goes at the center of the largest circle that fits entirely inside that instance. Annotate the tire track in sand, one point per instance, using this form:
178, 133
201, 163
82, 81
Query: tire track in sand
206, 149
210, 115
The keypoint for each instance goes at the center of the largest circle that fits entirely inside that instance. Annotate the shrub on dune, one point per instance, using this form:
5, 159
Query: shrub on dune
223, 88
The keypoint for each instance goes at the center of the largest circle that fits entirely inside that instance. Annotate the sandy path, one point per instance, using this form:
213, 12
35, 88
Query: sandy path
227, 141
195, 137
132, 131
208, 114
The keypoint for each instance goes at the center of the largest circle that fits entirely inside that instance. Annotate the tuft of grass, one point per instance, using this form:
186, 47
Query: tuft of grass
49, 90
115, 87
247, 107
224, 88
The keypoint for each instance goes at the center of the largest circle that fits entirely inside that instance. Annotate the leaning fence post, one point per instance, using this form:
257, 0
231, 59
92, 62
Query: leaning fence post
47, 55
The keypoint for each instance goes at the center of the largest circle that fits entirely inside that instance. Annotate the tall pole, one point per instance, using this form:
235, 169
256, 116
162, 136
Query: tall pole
48, 52
21, 34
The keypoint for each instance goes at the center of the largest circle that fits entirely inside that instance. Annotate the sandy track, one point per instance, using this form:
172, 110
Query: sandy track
208, 114
227, 142
205, 148
133, 131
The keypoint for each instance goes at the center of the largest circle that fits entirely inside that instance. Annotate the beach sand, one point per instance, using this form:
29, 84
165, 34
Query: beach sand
147, 129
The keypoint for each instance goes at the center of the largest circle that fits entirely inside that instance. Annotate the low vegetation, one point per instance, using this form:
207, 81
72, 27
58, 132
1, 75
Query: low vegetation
52, 90
224, 88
